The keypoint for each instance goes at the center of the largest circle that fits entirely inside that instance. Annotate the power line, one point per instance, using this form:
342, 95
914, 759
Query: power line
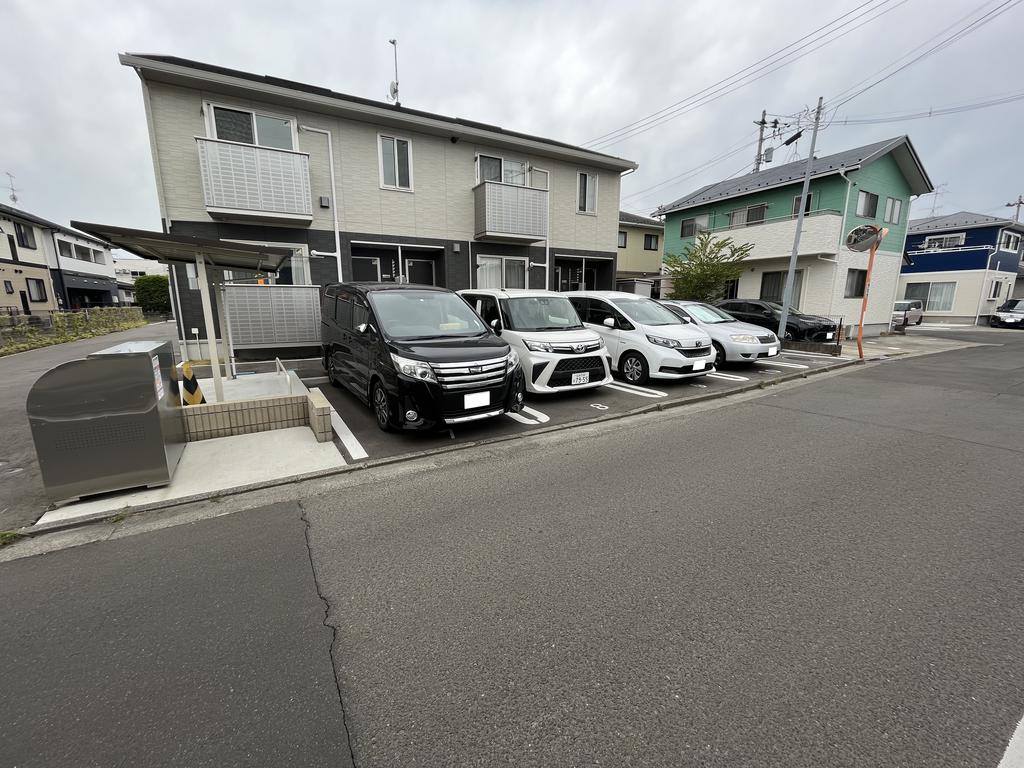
754, 72
934, 112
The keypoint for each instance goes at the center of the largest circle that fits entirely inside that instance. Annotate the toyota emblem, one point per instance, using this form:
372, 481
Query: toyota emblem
475, 369
577, 348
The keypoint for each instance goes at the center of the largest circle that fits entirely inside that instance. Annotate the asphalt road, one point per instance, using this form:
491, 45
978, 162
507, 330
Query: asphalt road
825, 575
21, 492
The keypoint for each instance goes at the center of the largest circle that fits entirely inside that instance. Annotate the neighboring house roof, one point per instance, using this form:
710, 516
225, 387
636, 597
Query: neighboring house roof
791, 173
173, 69
39, 221
960, 220
639, 221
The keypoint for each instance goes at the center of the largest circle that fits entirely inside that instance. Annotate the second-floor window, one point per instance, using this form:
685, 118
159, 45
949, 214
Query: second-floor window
867, 204
807, 205
944, 241
1010, 242
622, 239
252, 128
586, 192
753, 214
395, 162
893, 210
692, 226
26, 235
650, 242
492, 168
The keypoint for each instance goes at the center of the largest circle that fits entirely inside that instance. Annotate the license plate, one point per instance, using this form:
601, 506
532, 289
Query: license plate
700, 365
773, 351
828, 336
581, 378
476, 400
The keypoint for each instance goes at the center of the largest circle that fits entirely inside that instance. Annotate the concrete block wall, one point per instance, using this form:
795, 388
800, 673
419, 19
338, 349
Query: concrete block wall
319, 413
242, 417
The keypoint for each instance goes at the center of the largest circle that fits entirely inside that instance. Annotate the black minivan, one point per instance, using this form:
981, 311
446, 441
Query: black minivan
418, 355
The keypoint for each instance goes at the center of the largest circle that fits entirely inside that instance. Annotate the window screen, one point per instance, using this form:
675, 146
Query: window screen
233, 125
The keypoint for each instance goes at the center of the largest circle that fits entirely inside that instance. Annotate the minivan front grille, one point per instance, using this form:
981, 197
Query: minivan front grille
576, 348
474, 374
696, 352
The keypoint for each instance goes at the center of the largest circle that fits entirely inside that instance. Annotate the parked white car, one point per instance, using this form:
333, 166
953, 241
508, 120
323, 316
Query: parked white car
907, 311
556, 351
734, 342
644, 339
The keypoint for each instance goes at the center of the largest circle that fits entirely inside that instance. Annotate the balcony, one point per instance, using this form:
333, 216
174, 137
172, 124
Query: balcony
510, 212
773, 238
242, 181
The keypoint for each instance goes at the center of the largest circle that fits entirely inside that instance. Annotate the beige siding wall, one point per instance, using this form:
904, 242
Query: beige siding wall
633, 258
440, 206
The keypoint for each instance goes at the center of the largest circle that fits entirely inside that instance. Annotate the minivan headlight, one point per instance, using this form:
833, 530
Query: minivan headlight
743, 338
414, 369
663, 342
537, 346
513, 359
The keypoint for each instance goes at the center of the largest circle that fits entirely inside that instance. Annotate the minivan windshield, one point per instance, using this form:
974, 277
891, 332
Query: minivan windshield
409, 315
646, 312
541, 313
793, 311
708, 314
902, 306
1013, 305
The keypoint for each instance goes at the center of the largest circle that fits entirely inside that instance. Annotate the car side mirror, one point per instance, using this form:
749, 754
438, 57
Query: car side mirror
767, 312
609, 322
496, 326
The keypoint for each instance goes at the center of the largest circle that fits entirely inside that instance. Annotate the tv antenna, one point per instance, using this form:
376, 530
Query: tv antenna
14, 190
393, 88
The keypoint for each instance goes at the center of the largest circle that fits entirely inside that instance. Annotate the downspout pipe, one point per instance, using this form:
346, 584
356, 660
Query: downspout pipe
334, 198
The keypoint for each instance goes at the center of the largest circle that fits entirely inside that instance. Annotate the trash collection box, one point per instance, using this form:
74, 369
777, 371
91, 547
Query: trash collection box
109, 422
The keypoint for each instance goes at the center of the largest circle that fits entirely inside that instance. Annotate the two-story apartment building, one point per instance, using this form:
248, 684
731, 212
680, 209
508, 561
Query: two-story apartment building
961, 265
364, 190
128, 268
872, 184
639, 262
46, 266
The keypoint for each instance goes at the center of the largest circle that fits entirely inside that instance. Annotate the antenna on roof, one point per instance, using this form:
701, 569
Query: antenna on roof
393, 88
14, 190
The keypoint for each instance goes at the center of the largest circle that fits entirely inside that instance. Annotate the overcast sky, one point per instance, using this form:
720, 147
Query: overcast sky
72, 128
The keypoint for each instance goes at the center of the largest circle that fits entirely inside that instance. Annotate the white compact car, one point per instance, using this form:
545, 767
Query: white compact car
644, 339
557, 353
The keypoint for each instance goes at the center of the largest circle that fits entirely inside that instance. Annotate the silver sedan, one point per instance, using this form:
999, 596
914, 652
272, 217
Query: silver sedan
735, 342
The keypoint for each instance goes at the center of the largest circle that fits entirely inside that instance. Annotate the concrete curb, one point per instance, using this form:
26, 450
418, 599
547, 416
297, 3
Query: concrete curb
107, 516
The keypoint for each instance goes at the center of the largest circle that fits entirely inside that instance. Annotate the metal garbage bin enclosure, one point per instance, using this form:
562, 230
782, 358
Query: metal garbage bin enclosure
109, 422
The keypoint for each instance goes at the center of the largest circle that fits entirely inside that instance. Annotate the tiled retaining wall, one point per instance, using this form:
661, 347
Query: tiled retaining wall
320, 416
245, 416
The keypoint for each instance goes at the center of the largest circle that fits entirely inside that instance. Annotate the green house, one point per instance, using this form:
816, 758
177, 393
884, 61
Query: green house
872, 184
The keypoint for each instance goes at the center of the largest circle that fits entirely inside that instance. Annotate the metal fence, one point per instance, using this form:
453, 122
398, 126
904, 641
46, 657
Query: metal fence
272, 315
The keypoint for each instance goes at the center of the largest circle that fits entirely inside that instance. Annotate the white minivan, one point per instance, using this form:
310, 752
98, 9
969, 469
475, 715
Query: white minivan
644, 339
557, 353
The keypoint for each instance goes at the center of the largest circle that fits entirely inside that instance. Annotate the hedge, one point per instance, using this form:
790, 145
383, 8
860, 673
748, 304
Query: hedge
19, 333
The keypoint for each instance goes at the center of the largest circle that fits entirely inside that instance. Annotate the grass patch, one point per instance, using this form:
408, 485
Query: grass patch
9, 537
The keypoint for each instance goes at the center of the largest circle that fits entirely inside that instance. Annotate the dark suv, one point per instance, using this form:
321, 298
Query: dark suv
419, 356
799, 327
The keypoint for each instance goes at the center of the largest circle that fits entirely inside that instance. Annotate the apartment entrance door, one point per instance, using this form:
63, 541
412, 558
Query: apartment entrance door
25, 306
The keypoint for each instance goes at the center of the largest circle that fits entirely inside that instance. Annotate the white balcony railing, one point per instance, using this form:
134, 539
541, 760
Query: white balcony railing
84, 267
245, 180
773, 238
510, 211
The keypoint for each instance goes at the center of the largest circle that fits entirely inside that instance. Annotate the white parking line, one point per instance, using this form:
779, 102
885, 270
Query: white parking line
769, 370
540, 417
789, 353
727, 376
632, 389
784, 365
1014, 755
352, 445
520, 418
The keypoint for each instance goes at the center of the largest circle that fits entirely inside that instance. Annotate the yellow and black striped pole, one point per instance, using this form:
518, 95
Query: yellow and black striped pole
193, 395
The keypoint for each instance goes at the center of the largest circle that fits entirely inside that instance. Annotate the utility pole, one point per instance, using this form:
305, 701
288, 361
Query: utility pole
760, 138
1016, 204
787, 295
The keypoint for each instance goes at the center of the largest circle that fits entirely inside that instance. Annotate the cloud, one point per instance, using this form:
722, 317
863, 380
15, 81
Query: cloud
72, 127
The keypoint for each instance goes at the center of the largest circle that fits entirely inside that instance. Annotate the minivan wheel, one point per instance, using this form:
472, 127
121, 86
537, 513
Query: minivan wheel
381, 407
919, 320
633, 368
332, 371
719, 354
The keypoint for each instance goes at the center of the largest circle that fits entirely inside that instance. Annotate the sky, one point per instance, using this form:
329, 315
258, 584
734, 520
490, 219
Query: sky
73, 131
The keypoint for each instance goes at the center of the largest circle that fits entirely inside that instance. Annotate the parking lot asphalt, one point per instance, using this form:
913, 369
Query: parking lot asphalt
360, 439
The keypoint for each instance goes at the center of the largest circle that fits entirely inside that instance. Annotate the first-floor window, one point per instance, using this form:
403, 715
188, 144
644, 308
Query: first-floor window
867, 204
773, 286
893, 210
395, 163
855, 282
36, 289
8, 286
997, 289
622, 239
650, 242
937, 297
732, 289
586, 194
501, 272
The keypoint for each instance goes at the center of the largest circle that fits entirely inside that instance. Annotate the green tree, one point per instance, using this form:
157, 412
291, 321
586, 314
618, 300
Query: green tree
701, 273
152, 294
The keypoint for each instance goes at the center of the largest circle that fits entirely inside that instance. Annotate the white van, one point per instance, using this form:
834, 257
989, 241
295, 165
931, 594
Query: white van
645, 340
557, 353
